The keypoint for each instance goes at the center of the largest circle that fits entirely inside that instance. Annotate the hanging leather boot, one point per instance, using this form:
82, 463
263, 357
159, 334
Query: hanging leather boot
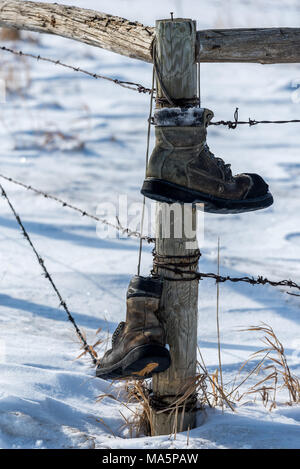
182, 168
138, 345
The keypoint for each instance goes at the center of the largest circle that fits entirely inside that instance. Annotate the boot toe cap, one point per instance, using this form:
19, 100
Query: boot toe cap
258, 188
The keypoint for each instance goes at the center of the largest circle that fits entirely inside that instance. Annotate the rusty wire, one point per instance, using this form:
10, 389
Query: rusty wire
142, 89
62, 303
259, 280
251, 122
129, 233
125, 84
162, 261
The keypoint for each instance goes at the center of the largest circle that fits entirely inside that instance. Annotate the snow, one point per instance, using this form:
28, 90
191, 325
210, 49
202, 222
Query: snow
84, 140
175, 116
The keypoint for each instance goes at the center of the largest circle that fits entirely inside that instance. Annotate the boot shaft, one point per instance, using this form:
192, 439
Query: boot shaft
138, 345
143, 298
182, 169
180, 138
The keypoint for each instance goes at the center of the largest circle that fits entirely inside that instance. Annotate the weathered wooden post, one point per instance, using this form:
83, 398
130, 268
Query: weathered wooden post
178, 47
175, 57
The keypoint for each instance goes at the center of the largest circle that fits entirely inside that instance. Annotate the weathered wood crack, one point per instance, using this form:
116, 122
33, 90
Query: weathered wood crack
133, 39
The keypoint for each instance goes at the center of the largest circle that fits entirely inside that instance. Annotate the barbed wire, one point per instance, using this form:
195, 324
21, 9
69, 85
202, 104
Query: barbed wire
62, 303
188, 275
185, 274
250, 122
174, 263
126, 231
142, 89
125, 84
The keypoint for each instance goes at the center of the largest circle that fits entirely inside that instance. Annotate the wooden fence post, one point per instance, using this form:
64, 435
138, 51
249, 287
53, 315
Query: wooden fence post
133, 39
175, 57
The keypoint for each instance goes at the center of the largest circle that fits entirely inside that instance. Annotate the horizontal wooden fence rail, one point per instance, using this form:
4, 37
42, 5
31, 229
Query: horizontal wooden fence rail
92, 27
132, 39
256, 45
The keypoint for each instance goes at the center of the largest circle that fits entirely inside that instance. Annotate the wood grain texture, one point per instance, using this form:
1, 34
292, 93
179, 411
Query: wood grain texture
179, 312
179, 308
175, 53
92, 27
133, 39
256, 45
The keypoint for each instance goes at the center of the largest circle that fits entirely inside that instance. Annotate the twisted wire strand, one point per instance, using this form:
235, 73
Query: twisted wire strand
251, 122
163, 262
84, 213
125, 84
62, 303
142, 89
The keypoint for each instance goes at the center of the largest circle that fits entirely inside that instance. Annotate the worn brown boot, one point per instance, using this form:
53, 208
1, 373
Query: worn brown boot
182, 168
138, 345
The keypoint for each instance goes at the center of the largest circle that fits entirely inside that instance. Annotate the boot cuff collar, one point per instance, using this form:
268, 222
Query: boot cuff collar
145, 286
174, 116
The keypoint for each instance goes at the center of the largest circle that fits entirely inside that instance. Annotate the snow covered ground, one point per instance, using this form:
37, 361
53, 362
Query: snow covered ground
84, 140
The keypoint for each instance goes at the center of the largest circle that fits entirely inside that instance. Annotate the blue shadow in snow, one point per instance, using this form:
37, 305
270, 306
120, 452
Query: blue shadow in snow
224, 346
57, 314
268, 298
62, 234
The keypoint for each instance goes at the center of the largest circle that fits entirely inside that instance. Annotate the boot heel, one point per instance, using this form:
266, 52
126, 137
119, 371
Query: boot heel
164, 191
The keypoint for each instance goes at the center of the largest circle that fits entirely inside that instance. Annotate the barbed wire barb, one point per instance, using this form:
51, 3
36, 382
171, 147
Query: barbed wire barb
125, 84
250, 122
47, 275
142, 89
186, 275
124, 230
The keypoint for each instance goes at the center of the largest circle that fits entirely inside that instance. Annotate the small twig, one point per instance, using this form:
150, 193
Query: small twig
218, 388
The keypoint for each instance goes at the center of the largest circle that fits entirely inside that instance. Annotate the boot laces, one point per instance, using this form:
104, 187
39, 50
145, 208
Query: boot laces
225, 168
117, 332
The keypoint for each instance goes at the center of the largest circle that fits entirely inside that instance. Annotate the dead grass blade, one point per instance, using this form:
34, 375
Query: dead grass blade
281, 375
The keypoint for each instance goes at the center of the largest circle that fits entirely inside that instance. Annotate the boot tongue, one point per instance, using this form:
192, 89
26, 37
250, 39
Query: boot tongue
117, 333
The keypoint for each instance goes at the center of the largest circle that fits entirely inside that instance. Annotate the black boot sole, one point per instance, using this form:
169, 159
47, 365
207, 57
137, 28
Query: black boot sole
140, 363
168, 192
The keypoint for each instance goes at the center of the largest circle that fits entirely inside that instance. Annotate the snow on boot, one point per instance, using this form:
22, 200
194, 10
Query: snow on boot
138, 345
182, 168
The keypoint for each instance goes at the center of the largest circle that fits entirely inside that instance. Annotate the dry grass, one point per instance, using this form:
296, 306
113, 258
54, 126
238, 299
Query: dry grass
273, 374
201, 390
137, 402
16, 74
15, 71
212, 392
9, 34
273, 364
92, 348
58, 140
139, 394
208, 389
